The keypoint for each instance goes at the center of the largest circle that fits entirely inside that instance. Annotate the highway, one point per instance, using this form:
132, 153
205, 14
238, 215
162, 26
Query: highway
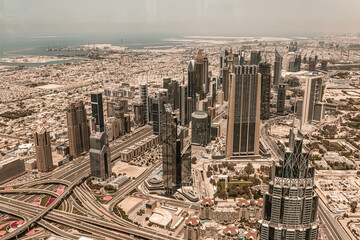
72, 175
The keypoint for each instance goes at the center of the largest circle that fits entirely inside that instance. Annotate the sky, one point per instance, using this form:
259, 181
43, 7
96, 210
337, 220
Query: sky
283, 18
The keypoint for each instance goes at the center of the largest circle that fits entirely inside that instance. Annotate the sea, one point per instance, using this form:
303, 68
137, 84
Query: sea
38, 45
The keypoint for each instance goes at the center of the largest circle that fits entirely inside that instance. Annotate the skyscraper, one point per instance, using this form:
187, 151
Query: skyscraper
97, 110
226, 83
191, 79
100, 156
78, 130
206, 79
264, 70
243, 126
313, 95
199, 75
44, 159
277, 68
291, 204
230, 61
281, 96
157, 107
255, 57
200, 127
171, 151
184, 105
143, 88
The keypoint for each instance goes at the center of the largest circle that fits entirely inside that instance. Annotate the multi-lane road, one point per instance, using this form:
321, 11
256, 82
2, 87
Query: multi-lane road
72, 176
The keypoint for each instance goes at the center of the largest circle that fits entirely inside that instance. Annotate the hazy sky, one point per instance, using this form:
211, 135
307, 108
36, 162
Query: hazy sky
179, 17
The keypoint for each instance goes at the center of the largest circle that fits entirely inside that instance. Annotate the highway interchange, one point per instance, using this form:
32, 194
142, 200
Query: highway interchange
98, 220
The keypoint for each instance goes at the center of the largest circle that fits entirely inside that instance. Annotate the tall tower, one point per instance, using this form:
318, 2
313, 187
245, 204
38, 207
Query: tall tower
143, 88
277, 68
243, 126
97, 110
191, 79
255, 57
44, 159
199, 75
230, 61
226, 83
291, 204
264, 70
184, 105
171, 151
313, 95
157, 105
100, 156
206, 80
281, 96
78, 130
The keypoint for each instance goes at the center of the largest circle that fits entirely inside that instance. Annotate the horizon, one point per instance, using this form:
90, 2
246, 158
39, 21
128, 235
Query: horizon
154, 18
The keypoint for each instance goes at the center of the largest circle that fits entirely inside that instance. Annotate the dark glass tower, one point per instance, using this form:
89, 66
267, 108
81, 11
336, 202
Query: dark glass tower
171, 151
291, 204
280, 104
255, 57
97, 111
264, 70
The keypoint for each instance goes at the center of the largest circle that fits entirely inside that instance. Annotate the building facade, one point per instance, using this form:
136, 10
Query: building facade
265, 71
98, 111
281, 96
313, 96
143, 90
277, 68
44, 159
200, 128
291, 204
171, 151
100, 156
243, 125
78, 130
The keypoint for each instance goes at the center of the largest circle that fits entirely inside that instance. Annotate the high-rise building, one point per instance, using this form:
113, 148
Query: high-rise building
265, 71
230, 61
192, 228
212, 92
44, 159
199, 75
243, 126
143, 88
140, 113
186, 165
277, 68
157, 108
100, 156
97, 110
255, 57
171, 151
184, 105
226, 83
313, 96
78, 130
191, 79
206, 79
200, 128
281, 96
291, 204
295, 65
